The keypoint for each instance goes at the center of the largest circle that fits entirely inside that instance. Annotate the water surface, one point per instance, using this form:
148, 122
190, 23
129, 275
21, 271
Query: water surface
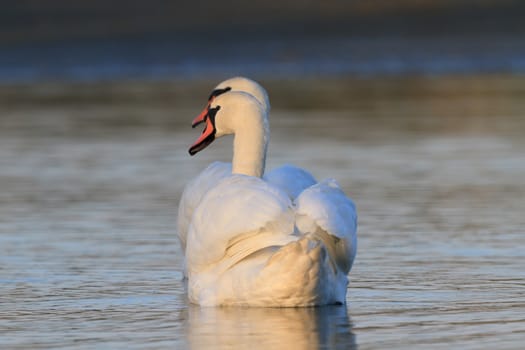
90, 182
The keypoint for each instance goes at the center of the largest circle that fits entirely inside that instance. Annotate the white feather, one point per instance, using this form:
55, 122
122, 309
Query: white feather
193, 193
291, 179
236, 210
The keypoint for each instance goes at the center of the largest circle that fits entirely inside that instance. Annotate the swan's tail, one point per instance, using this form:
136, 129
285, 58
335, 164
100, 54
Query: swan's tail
303, 273
339, 250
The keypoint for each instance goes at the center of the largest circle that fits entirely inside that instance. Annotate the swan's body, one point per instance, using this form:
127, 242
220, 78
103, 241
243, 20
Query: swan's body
253, 240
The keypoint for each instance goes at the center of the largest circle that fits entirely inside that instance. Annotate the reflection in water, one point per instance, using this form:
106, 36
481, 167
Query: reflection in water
270, 328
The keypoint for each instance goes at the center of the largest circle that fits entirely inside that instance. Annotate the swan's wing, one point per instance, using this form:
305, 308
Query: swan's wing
326, 212
238, 217
193, 194
291, 179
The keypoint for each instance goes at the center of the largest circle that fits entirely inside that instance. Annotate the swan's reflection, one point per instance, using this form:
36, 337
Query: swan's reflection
270, 328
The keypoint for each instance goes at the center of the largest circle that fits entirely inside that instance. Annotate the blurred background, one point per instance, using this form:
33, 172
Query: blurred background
162, 39
415, 107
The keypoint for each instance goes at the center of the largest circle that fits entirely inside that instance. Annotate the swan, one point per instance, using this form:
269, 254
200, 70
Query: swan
250, 239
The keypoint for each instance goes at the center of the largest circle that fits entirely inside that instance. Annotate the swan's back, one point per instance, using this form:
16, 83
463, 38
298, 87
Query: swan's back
239, 216
248, 244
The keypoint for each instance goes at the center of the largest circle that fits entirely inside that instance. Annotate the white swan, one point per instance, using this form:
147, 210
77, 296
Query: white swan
277, 240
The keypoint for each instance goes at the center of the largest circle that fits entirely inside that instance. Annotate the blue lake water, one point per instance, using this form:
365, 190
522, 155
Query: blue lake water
90, 178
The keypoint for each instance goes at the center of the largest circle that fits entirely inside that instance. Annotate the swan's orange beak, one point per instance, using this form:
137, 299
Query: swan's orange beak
201, 118
208, 134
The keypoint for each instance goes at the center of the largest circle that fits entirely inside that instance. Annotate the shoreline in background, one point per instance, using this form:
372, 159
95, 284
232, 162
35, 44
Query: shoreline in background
160, 39
37, 22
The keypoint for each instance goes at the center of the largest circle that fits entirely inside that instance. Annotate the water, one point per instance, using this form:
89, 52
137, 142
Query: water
90, 177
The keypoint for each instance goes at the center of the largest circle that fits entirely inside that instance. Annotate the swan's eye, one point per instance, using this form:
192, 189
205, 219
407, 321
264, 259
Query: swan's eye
218, 92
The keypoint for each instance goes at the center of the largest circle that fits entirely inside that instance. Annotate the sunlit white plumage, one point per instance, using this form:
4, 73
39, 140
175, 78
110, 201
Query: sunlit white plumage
250, 239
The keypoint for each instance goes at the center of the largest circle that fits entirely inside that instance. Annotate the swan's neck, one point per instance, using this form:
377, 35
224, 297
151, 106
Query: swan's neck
249, 145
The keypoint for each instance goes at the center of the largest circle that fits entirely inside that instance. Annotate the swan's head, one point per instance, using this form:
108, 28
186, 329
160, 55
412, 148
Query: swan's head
227, 113
232, 85
229, 87
245, 85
